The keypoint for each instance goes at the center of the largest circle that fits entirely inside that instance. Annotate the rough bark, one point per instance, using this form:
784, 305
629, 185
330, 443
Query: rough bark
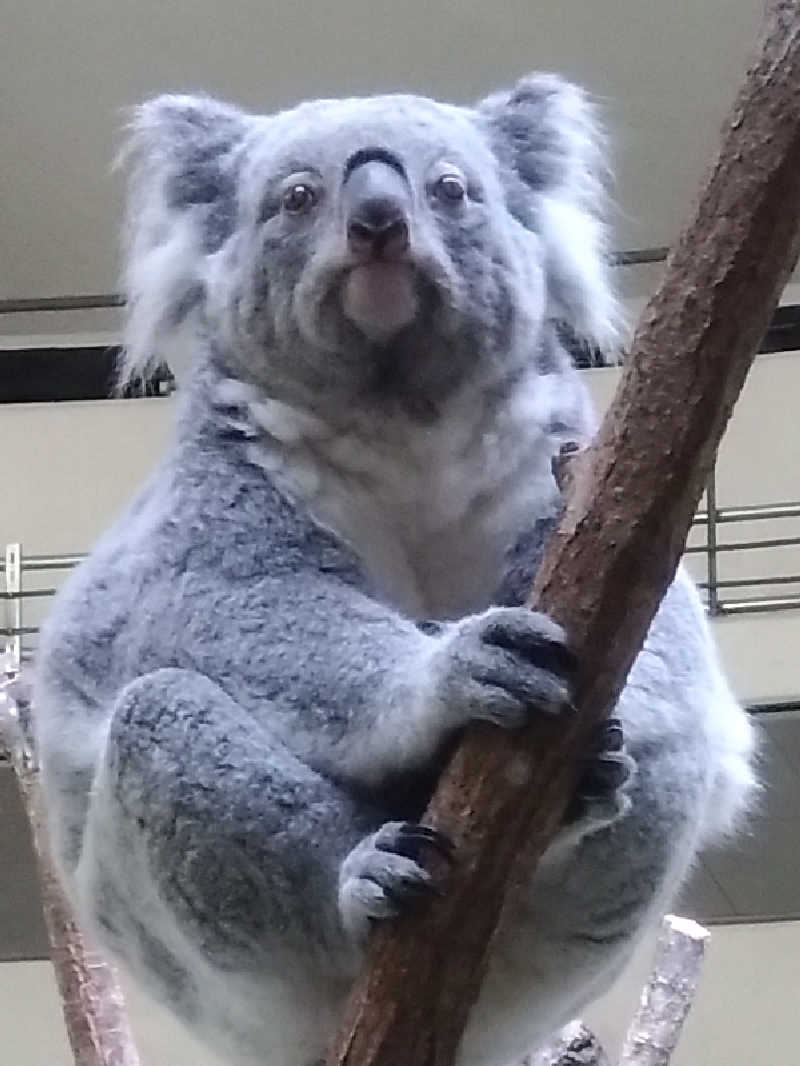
91, 999
629, 509
668, 994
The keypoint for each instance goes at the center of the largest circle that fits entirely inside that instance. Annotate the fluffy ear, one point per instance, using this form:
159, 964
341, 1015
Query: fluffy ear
547, 138
181, 154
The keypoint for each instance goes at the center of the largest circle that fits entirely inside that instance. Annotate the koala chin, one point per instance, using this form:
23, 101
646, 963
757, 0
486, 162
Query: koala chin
245, 694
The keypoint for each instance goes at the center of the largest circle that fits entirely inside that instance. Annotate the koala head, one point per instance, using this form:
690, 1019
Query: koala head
383, 246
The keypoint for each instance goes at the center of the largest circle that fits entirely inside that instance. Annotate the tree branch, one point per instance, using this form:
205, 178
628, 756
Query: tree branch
575, 1045
668, 994
91, 999
606, 569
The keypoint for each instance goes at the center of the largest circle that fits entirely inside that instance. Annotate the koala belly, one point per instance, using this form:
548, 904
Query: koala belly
273, 1021
539, 978
563, 941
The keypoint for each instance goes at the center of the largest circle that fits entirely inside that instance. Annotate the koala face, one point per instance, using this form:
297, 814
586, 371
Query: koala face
373, 251
389, 246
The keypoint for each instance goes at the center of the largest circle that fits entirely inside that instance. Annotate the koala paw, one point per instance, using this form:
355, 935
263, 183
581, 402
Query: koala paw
601, 798
383, 874
502, 666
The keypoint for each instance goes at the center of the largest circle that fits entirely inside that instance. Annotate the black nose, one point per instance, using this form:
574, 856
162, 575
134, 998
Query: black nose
380, 230
377, 206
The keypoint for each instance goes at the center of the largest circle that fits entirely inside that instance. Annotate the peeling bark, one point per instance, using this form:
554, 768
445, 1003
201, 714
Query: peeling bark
575, 1045
668, 994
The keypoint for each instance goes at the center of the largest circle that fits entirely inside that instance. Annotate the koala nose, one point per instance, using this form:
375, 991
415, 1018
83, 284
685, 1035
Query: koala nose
377, 208
382, 230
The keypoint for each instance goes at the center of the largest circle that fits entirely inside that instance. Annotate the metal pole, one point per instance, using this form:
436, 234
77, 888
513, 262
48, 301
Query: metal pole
13, 570
711, 543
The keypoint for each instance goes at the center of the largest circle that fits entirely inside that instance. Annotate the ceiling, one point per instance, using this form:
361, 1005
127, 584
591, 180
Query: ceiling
665, 73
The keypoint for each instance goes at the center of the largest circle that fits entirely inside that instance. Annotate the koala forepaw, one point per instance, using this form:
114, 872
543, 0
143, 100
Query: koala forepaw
382, 875
601, 797
504, 666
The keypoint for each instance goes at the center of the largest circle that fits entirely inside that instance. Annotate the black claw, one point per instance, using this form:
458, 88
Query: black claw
408, 891
603, 777
546, 654
532, 696
610, 736
412, 836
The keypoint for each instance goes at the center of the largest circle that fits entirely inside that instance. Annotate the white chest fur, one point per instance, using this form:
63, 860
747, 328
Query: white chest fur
432, 508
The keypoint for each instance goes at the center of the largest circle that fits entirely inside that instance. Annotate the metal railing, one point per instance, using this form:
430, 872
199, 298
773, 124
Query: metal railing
24, 608
101, 300
16, 597
727, 596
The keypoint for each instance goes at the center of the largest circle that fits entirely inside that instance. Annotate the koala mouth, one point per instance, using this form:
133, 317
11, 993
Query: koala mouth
380, 297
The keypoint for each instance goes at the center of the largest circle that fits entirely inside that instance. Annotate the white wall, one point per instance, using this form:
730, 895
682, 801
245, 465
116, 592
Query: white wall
68, 468
33, 1032
758, 463
746, 1006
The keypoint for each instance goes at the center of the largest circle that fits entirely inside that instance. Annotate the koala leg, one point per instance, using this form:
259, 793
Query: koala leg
384, 873
207, 838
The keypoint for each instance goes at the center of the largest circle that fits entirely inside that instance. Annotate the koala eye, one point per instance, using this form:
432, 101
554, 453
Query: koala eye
450, 187
298, 198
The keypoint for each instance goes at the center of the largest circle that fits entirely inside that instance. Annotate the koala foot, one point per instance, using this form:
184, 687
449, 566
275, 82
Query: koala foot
601, 797
383, 874
504, 665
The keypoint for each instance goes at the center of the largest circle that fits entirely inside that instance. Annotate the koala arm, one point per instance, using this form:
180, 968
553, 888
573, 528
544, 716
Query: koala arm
358, 691
352, 682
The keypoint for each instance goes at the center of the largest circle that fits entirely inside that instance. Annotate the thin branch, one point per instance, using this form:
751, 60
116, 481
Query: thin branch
668, 994
92, 1002
575, 1045
609, 564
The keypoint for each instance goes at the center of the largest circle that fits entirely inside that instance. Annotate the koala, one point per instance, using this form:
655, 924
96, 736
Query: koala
244, 696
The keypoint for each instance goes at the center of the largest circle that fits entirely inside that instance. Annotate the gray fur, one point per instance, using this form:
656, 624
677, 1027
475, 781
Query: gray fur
245, 694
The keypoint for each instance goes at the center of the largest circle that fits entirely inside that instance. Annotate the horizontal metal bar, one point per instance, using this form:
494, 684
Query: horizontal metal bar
770, 603
776, 708
27, 594
751, 514
18, 631
47, 562
637, 256
790, 579
51, 562
746, 545
96, 301
87, 302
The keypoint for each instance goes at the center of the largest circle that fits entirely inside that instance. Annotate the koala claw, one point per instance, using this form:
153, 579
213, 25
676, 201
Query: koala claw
409, 837
601, 796
382, 874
